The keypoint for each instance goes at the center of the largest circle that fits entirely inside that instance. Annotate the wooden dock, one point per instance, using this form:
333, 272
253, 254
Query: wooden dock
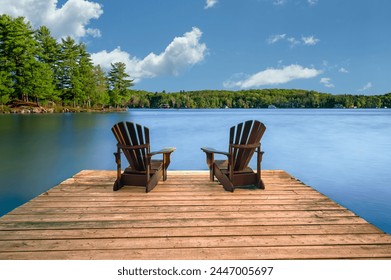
187, 217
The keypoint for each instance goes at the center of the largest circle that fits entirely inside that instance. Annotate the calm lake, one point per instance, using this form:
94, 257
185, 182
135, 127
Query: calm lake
343, 153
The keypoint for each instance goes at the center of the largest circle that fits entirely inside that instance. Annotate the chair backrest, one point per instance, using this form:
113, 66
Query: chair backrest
249, 134
135, 137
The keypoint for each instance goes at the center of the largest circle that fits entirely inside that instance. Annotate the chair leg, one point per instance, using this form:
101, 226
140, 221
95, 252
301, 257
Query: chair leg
165, 165
152, 182
223, 179
117, 184
260, 183
210, 162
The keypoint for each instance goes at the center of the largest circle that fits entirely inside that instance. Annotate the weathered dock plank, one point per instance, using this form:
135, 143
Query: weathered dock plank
187, 217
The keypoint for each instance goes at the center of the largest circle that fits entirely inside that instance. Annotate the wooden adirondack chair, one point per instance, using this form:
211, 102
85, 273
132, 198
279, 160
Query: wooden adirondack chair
244, 140
133, 141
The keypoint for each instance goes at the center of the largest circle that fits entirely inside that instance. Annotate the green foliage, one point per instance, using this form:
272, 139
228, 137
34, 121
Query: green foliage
119, 84
260, 98
100, 95
35, 67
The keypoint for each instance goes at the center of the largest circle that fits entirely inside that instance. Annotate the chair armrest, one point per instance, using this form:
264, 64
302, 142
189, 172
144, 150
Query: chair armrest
132, 147
213, 151
245, 146
166, 150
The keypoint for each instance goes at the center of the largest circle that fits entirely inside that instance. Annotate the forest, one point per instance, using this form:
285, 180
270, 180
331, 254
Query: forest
36, 68
256, 98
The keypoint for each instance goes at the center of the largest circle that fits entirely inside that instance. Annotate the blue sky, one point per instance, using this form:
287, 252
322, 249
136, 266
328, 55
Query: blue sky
334, 46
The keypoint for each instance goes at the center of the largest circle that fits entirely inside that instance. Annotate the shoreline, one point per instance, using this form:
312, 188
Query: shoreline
32, 108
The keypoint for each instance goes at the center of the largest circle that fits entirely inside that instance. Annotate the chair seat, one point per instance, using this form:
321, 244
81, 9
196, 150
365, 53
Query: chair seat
155, 166
223, 166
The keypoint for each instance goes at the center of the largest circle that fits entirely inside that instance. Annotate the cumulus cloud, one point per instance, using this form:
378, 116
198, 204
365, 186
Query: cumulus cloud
366, 87
274, 76
180, 54
312, 2
210, 3
326, 82
71, 19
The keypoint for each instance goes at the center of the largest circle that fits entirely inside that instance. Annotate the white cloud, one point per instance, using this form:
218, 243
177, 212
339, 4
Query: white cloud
327, 82
308, 41
180, 54
71, 19
343, 70
275, 38
311, 40
293, 41
210, 3
274, 76
283, 2
366, 87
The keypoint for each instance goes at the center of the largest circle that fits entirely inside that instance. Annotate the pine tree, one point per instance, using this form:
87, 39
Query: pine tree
48, 53
42, 85
5, 88
86, 76
18, 54
69, 81
119, 84
100, 95
6, 64
24, 50
6, 67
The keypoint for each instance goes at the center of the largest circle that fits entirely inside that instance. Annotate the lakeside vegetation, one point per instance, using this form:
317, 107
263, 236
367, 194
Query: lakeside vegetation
256, 98
34, 67
39, 74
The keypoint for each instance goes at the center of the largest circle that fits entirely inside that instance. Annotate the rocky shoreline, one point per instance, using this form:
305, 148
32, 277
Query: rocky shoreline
33, 108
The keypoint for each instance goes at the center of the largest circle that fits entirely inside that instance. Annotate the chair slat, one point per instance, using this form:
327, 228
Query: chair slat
241, 155
142, 152
254, 138
237, 130
122, 136
138, 158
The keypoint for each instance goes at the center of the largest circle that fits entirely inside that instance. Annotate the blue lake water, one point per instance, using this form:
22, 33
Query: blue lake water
345, 154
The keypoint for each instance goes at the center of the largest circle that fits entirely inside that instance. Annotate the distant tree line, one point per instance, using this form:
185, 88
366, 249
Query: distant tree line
34, 67
257, 98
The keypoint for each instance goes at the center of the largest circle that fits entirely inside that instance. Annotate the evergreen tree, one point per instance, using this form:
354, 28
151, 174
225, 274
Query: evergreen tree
42, 83
69, 81
5, 88
119, 84
86, 76
6, 66
48, 53
18, 55
100, 95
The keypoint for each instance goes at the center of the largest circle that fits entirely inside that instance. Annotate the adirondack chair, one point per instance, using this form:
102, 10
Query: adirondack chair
133, 141
244, 140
